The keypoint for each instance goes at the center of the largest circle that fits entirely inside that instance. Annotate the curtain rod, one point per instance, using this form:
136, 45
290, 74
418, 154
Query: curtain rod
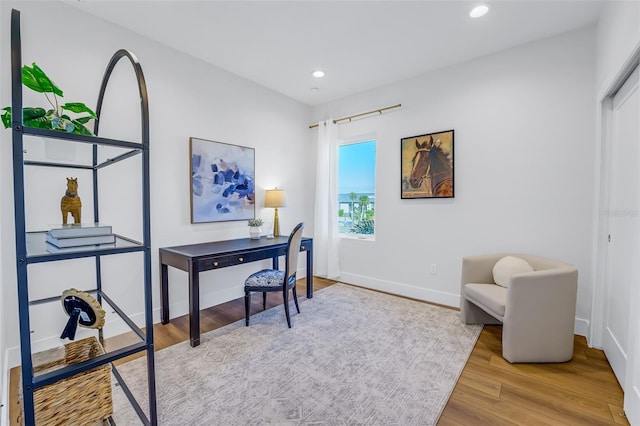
379, 111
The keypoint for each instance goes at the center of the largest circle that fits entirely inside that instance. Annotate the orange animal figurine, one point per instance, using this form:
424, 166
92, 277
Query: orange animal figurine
71, 203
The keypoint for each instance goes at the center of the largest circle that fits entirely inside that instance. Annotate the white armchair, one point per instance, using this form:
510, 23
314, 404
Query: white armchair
537, 308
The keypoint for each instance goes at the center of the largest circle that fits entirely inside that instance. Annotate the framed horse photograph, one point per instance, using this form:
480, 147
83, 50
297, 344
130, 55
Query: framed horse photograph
222, 181
427, 165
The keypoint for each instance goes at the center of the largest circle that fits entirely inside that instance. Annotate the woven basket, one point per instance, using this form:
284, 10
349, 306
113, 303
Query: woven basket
82, 399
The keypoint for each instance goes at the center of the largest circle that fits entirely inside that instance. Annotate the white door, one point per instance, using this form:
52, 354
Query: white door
622, 313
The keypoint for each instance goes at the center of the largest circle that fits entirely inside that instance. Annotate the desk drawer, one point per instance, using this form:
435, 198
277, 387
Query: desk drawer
216, 262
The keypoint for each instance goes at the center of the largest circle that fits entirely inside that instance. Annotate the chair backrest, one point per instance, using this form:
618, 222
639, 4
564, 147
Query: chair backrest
293, 249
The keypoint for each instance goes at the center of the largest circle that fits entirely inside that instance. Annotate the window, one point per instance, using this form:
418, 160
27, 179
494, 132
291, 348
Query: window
357, 188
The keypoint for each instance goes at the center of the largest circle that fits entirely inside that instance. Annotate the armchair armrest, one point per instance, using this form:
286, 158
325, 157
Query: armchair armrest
540, 313
550, 293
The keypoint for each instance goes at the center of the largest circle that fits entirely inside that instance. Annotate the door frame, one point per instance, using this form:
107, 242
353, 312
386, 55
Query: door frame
601, 222
603, 130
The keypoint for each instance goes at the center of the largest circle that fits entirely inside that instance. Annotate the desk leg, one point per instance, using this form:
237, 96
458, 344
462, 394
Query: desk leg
194, 305
310, 271
164, 294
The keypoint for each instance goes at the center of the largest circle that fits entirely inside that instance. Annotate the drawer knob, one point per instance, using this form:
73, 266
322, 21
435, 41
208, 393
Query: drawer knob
215, 263
241, 259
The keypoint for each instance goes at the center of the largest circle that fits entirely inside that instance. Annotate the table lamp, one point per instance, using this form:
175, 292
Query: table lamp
275, 198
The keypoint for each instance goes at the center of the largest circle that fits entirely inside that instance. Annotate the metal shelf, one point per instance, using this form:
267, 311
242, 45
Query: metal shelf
31, 247
38, 252
95, 140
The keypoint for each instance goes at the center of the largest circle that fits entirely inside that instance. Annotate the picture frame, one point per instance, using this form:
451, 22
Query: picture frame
427, 165
222, 179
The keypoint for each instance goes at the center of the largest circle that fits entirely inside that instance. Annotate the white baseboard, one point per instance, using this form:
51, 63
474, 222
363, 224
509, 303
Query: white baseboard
111, 328
581, 326
181, 307
12, 358
212, 298
116, 327
428, 295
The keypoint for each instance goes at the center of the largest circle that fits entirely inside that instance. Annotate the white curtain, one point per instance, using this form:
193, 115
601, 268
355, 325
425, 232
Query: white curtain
326, 243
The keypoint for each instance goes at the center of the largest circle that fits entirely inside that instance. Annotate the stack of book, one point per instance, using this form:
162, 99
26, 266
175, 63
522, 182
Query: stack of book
78, 236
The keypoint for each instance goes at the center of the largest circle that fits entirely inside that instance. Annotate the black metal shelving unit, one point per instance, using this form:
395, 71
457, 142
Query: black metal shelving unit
30, 246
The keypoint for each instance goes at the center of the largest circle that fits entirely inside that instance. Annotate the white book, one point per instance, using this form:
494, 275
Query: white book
80, 230
80, 241
53, 249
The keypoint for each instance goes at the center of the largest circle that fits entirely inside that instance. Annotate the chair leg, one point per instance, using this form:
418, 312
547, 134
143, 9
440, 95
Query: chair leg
264, 300
295, 298
247, 304
285, 295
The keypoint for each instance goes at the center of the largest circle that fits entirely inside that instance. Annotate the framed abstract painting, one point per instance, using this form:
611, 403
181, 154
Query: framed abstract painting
222, 181
427, 166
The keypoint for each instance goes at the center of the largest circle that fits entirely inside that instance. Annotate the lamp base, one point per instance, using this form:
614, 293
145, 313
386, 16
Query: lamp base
276, 225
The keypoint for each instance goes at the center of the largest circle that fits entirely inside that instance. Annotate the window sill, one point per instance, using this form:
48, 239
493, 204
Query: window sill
357, 237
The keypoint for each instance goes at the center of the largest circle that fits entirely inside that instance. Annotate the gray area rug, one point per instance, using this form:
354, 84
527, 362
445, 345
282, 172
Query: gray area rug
353, 357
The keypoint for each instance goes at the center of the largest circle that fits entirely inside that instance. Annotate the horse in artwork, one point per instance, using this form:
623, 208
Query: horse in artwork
430, 163
71, 203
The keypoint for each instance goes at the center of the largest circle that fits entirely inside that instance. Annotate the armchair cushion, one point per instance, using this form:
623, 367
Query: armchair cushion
490, 297
508, 266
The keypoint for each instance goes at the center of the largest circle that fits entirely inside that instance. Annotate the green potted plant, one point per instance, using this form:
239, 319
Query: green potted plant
255, 228
55, 118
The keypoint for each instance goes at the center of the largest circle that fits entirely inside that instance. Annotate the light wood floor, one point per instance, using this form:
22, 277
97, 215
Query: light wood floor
490, 391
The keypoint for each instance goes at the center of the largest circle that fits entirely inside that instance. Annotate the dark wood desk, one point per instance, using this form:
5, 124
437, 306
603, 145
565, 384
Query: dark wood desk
195, 258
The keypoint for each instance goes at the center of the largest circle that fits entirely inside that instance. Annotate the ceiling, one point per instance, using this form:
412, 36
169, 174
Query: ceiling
359, 44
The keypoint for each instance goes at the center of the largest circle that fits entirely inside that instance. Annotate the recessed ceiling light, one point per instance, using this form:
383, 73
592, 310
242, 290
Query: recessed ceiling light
318, 74
479, 11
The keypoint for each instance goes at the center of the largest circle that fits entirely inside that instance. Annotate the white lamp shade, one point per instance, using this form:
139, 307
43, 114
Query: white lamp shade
275, 198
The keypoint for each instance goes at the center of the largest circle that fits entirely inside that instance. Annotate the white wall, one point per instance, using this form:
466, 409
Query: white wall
617, 36
524, 162
187, 97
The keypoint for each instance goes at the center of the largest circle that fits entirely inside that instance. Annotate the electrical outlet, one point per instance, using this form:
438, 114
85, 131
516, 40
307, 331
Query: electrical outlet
434, 269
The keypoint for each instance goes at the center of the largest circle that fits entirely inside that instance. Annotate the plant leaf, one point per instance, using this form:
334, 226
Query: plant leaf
36, 79
39, 122
83, 120
31, 117
78, 107
80, 129
6, 117
29, 113
37, 117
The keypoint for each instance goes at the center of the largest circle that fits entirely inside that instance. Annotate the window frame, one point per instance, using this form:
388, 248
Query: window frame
370, 137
